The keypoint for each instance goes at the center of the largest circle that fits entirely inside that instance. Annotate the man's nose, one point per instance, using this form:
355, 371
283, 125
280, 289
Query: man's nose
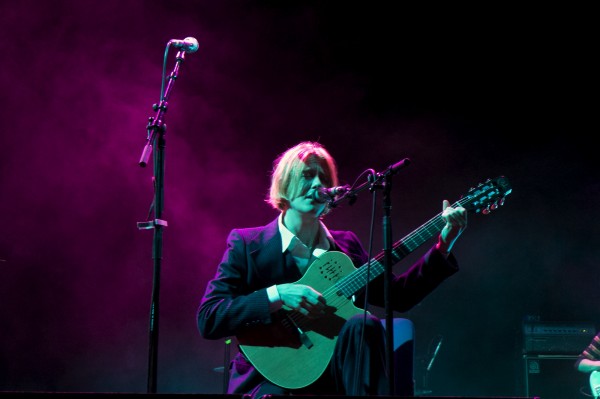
316, 182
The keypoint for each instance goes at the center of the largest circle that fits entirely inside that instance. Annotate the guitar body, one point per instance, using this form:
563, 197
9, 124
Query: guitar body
273, 348
294, 351
595, 383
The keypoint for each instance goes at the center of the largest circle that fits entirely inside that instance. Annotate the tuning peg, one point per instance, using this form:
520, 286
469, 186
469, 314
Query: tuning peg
486, 210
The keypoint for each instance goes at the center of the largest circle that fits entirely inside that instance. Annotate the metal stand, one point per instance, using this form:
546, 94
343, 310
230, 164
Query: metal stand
383, 181
388, 263
156, 138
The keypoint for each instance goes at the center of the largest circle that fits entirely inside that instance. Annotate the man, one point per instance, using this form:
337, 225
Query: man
588, 361
259, 284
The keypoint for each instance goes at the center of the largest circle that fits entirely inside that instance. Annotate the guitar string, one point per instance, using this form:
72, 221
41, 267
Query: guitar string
347, 281
376, 261
332, 294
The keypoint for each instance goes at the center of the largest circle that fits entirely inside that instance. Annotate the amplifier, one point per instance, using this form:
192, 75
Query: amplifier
554, 377
557, 338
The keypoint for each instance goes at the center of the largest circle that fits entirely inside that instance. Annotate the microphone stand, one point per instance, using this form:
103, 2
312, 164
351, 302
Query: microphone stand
156, 138
425, 388
388, 263
386, 185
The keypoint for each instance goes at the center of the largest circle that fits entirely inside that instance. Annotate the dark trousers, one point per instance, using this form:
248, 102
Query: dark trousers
357, 367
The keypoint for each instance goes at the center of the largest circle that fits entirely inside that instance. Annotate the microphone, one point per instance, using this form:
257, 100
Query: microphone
189, 44
323, 194
437, 349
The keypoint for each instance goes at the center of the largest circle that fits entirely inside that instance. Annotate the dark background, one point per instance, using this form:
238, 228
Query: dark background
467, 93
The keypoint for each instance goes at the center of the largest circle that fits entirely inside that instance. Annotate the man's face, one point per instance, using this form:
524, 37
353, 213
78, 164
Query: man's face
313, 177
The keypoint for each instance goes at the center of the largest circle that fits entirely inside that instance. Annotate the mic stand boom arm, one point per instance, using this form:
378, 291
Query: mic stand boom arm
374, 179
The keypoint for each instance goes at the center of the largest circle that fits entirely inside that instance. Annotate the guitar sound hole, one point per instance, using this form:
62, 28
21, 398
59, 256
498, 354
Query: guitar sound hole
331, 271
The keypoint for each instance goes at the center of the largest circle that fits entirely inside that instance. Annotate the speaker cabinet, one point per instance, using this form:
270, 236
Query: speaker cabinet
554, 377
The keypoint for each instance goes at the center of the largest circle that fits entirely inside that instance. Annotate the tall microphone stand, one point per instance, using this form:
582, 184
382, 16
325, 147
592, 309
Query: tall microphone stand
156, 138
384, 181
388, 263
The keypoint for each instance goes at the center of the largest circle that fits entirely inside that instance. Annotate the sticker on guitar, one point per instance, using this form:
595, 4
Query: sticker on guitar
296, 339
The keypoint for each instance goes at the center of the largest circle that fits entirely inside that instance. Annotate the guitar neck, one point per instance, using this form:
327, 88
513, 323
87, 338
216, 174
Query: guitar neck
358, 279
484, 198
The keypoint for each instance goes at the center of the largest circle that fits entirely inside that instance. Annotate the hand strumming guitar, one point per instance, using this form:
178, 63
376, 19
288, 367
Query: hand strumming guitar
302, 298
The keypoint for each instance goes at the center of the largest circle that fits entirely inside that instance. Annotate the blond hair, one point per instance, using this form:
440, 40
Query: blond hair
288, 168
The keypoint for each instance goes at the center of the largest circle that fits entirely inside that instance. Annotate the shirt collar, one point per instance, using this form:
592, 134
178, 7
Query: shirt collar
289, 240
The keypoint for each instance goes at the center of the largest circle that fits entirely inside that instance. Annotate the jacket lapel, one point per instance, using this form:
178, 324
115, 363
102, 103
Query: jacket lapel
270, 264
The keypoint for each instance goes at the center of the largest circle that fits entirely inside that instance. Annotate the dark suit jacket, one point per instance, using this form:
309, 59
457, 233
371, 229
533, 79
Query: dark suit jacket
236, 298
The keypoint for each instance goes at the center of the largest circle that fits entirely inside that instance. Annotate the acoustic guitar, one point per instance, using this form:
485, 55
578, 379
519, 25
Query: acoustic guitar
595, 383
307, 344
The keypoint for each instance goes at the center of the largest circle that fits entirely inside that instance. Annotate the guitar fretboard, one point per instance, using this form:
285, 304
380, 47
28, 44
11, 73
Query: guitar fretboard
355, 281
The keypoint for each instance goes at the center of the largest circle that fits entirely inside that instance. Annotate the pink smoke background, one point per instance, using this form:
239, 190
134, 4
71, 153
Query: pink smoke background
465, 99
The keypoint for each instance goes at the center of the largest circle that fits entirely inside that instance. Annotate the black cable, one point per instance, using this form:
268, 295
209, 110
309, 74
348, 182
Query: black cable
358, 369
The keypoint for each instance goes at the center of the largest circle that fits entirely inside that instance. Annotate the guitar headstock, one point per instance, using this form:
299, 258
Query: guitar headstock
487, 196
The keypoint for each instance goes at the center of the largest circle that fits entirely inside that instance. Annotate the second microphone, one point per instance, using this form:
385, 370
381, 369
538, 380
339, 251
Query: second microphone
323, 194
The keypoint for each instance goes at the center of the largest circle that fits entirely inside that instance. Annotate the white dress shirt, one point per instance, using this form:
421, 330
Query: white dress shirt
302, 254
